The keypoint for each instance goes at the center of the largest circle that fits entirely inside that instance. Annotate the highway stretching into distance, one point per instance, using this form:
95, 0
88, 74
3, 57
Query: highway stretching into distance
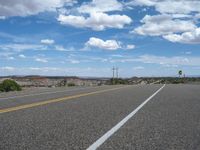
135, 117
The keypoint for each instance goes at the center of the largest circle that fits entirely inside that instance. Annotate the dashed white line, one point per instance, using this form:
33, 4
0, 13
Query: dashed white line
108, 134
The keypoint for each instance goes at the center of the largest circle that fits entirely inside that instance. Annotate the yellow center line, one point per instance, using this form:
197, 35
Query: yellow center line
25, 106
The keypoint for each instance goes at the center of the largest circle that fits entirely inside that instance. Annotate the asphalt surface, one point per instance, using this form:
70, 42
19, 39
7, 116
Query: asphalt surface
170, 120
37, 95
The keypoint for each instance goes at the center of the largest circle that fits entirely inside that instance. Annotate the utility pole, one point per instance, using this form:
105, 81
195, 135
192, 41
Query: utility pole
117, 73
113, 69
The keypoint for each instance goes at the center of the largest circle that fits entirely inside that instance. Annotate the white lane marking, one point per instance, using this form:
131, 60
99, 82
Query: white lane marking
108, 134
19, 96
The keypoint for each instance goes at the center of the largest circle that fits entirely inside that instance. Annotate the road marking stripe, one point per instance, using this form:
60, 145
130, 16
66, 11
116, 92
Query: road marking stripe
108, 134
20, 96
5, 110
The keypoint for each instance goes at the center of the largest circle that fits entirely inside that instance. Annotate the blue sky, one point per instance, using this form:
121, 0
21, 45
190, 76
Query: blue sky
88, 38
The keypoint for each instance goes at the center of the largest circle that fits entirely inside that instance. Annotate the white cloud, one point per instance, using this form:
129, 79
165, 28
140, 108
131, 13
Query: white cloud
99, 43
107, 44
21, 47
117, 55
141, 3
43, 60
22, 56
177, 21
183, 6
172, 61
7, 68
61, 48
10, 58
181, 16
163, 24
30, 7
138, 68
192, 37
95, 15
100, 6
188, 53
47, 41
96, 21
74, 61
130, 46
12, 37
5, 54
170, 6
2, 17
197, 16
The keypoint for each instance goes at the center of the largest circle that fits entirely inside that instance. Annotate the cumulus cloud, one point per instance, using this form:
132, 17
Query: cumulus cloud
107, 44
141, 3
30, 7
22, 56
96, 21
183, 6
130, 46
99, 43
170, 6
47, 41
95, 15
163, 24
43, 60
100, 6
192, 37
177, 21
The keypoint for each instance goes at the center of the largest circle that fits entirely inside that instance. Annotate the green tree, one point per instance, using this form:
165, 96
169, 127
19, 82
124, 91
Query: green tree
9, 85
71, 84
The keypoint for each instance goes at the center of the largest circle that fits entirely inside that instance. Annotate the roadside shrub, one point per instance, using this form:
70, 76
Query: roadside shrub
177, 81
118, 81
9, 85
1, 88
70, 84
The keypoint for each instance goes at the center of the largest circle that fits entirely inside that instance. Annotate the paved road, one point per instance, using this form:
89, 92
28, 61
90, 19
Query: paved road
170, 119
